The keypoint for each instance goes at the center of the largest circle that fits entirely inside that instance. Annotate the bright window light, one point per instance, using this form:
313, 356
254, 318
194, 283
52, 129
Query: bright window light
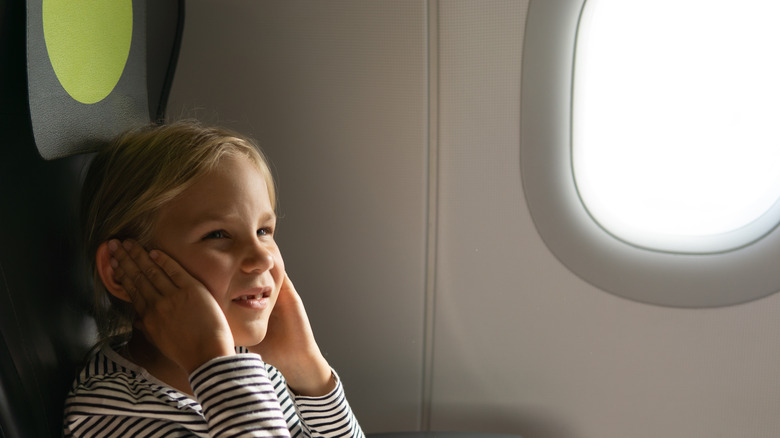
676, 121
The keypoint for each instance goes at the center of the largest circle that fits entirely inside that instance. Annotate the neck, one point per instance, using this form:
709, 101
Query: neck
146, 355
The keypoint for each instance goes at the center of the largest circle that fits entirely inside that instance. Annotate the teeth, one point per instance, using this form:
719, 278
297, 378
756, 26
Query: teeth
248, 297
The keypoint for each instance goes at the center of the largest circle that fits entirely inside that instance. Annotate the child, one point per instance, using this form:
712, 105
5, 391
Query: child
204, 335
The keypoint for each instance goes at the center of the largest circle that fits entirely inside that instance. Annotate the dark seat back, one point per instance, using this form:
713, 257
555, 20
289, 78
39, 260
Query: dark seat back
45, 291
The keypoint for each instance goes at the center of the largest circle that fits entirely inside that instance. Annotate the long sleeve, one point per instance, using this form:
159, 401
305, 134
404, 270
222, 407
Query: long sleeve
328, 416
238, 398
115, 398
237, 395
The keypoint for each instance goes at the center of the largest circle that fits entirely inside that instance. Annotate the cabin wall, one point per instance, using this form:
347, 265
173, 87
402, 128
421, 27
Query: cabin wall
393, 127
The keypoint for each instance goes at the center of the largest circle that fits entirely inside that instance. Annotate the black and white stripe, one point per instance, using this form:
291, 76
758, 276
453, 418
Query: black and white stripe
234, 396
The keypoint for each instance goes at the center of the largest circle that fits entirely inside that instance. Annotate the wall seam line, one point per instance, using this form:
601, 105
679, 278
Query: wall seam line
431, 214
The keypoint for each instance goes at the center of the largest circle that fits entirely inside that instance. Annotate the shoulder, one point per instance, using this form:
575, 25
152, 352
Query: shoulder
102, 366
108, 383
112, 397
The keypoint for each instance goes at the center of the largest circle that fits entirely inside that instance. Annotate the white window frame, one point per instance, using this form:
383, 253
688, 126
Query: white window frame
662, 278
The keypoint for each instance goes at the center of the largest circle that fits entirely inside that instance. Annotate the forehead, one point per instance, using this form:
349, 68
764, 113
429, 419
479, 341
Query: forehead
235, 187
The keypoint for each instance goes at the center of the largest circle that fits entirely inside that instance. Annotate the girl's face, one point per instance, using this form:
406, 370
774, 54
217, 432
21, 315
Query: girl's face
221, 230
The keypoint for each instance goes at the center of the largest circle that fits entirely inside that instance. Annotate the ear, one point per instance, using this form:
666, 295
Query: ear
106, 272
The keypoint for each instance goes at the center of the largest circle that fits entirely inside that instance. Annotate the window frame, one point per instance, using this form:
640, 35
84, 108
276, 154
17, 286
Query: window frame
662, 278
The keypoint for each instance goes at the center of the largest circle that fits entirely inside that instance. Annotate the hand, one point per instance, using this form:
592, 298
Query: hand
175, 311
289, 346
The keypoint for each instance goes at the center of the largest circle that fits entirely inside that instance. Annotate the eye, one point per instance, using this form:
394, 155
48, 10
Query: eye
265, 231
217, 234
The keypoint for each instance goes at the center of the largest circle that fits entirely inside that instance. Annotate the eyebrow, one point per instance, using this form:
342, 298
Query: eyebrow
211, 216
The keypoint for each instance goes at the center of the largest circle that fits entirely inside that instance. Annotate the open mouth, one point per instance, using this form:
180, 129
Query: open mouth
255, 299
250, 297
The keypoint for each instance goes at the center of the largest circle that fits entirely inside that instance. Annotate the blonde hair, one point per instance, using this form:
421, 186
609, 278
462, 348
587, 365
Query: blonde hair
129, 181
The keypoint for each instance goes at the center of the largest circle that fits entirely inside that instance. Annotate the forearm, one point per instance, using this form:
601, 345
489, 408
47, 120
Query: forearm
311, 377
329, 415
237, 397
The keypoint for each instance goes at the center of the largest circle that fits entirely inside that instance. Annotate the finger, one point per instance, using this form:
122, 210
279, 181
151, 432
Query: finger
153, 274
287, 291
119, 275
140, 273
121, 278
128, 281
174, 272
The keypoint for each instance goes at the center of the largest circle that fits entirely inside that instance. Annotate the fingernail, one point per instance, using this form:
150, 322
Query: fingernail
127, 245
113, 245
154, 254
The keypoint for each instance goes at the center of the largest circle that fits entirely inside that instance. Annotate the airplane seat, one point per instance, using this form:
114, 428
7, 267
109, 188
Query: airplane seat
45, 288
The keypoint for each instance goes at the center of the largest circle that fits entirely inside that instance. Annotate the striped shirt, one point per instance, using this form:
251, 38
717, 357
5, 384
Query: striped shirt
233, 396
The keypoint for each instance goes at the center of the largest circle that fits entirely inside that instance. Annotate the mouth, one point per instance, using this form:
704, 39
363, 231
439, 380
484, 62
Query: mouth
257, 298
250, 297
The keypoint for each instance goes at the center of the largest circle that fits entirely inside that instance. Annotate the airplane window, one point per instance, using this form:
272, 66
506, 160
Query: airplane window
648, 154
674, 143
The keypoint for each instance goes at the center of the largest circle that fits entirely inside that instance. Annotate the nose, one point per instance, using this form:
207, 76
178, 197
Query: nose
258, 258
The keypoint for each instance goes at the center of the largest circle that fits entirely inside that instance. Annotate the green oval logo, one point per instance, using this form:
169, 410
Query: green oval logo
88, 43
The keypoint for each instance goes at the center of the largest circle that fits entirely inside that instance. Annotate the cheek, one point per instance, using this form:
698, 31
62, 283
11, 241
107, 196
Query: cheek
207, 271
213, 275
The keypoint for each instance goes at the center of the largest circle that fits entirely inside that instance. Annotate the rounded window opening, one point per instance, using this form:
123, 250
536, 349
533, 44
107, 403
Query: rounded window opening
674, 139
687, 269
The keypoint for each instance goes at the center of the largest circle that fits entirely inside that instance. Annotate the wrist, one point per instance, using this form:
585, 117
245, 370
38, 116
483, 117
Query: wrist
190, 364
312, 378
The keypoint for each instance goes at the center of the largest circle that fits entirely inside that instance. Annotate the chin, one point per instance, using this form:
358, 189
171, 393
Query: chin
250, 338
